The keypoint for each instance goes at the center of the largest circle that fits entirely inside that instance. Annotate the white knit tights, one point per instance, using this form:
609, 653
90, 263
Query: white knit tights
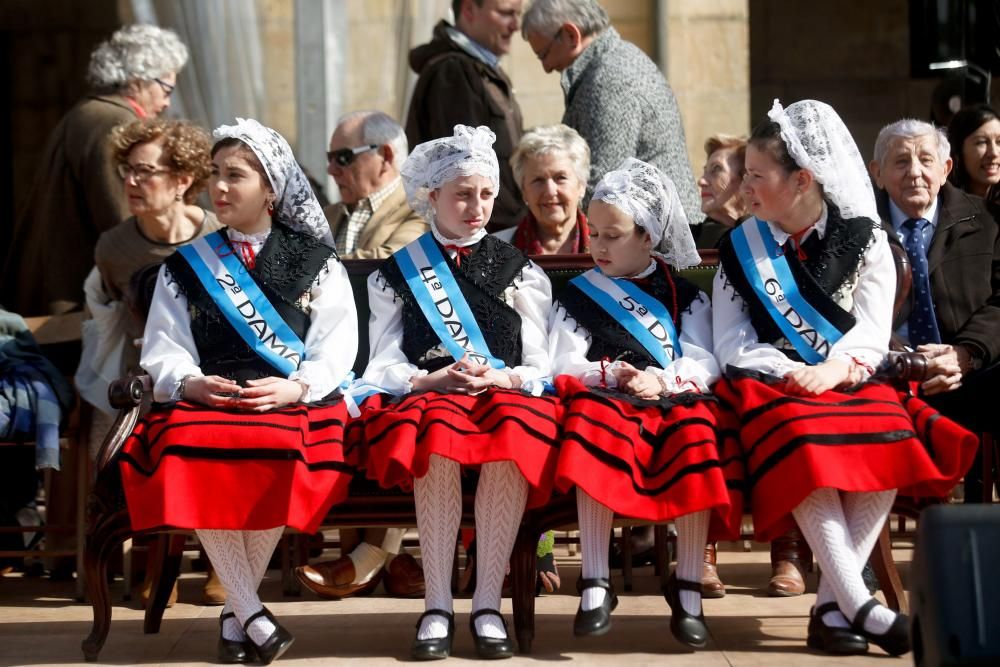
595, 535
692, 530
500, 499
842, 534
438, 499
240, 558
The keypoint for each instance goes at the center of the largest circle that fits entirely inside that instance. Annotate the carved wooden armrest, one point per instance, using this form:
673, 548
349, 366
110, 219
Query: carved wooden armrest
125, 394
908, 366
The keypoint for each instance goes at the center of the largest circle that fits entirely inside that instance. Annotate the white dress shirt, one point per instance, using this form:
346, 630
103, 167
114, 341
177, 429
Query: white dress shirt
169, 353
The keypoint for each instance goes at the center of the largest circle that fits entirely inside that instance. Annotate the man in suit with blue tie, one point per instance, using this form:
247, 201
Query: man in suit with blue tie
953, 243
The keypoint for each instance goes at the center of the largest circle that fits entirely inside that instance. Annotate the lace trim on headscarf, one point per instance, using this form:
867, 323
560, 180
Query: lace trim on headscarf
296, 205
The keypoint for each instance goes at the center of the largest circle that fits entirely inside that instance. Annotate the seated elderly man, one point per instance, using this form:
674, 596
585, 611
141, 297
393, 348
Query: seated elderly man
954, 247
372, 219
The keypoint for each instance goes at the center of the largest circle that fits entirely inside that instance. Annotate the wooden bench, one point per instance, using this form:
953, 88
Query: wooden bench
366, 505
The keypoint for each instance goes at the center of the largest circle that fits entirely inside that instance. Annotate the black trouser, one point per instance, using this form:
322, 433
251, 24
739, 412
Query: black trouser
976, 406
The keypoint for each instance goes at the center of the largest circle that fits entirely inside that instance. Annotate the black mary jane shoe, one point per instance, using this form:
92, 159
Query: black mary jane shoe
438, 648
597, 621
895, 641
272, 648
833, 640
491, 648
231, 651
686, 628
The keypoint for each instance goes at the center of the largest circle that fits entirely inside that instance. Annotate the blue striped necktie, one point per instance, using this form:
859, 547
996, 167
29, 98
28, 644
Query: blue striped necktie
922, 324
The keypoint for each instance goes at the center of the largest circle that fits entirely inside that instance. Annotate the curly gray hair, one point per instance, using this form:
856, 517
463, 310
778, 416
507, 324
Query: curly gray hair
545, 17
135, 53
548, 139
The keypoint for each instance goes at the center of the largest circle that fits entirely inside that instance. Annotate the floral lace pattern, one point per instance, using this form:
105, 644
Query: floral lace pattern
469, 151
296, 205
818, 140
650, 198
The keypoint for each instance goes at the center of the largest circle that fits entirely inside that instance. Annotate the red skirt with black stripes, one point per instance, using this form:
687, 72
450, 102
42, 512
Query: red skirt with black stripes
189, 466
643, 459
872, 438
401, 433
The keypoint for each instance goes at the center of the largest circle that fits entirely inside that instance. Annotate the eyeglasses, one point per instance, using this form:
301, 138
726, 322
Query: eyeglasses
545, 52
167, 88
345, 156
141, 173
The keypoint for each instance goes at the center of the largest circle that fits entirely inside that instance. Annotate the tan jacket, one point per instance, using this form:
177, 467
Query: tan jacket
392, 226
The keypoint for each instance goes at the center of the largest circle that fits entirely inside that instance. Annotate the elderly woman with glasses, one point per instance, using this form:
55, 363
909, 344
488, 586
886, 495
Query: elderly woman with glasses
551, 164
77, 194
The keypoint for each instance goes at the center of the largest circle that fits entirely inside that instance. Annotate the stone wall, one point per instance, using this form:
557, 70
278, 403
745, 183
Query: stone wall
708, 65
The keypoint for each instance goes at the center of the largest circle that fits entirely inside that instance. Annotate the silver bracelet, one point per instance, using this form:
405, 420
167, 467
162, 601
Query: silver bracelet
663, 385
183, 385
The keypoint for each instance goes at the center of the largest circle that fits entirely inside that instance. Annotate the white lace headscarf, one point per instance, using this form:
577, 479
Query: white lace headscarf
818, 140
649, 197
468, 152
295, 205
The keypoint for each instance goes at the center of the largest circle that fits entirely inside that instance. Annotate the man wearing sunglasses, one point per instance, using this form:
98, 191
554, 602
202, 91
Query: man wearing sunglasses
372, 219
460, 81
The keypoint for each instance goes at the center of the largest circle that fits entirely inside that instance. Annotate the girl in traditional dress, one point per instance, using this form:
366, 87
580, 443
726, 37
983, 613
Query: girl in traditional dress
458, 337
802, 313
249, 328
632, 343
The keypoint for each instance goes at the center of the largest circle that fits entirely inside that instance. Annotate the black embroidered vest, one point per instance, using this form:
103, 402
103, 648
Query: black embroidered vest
608, 338
482, 277
286, 267
830, 262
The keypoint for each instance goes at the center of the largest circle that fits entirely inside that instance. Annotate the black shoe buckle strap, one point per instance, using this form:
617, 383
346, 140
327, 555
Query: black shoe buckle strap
597, 582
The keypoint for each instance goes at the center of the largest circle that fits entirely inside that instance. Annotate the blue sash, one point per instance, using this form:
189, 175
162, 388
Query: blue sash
766, 269
234, 291
642, 315
442, 302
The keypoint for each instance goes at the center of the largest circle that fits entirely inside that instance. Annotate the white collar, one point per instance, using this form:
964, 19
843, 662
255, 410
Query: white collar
255, 240
781, 236
462, 242
645, 272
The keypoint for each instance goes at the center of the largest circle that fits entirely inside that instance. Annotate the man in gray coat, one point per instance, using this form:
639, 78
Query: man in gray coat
616, 97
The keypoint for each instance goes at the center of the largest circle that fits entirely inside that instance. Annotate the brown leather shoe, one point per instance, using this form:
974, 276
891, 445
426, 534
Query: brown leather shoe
213, 594
711, 585
332, 579
145, 592
790, 559
403, 577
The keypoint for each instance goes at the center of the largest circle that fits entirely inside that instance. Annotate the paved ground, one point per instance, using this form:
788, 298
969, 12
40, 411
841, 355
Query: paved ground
40, 624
